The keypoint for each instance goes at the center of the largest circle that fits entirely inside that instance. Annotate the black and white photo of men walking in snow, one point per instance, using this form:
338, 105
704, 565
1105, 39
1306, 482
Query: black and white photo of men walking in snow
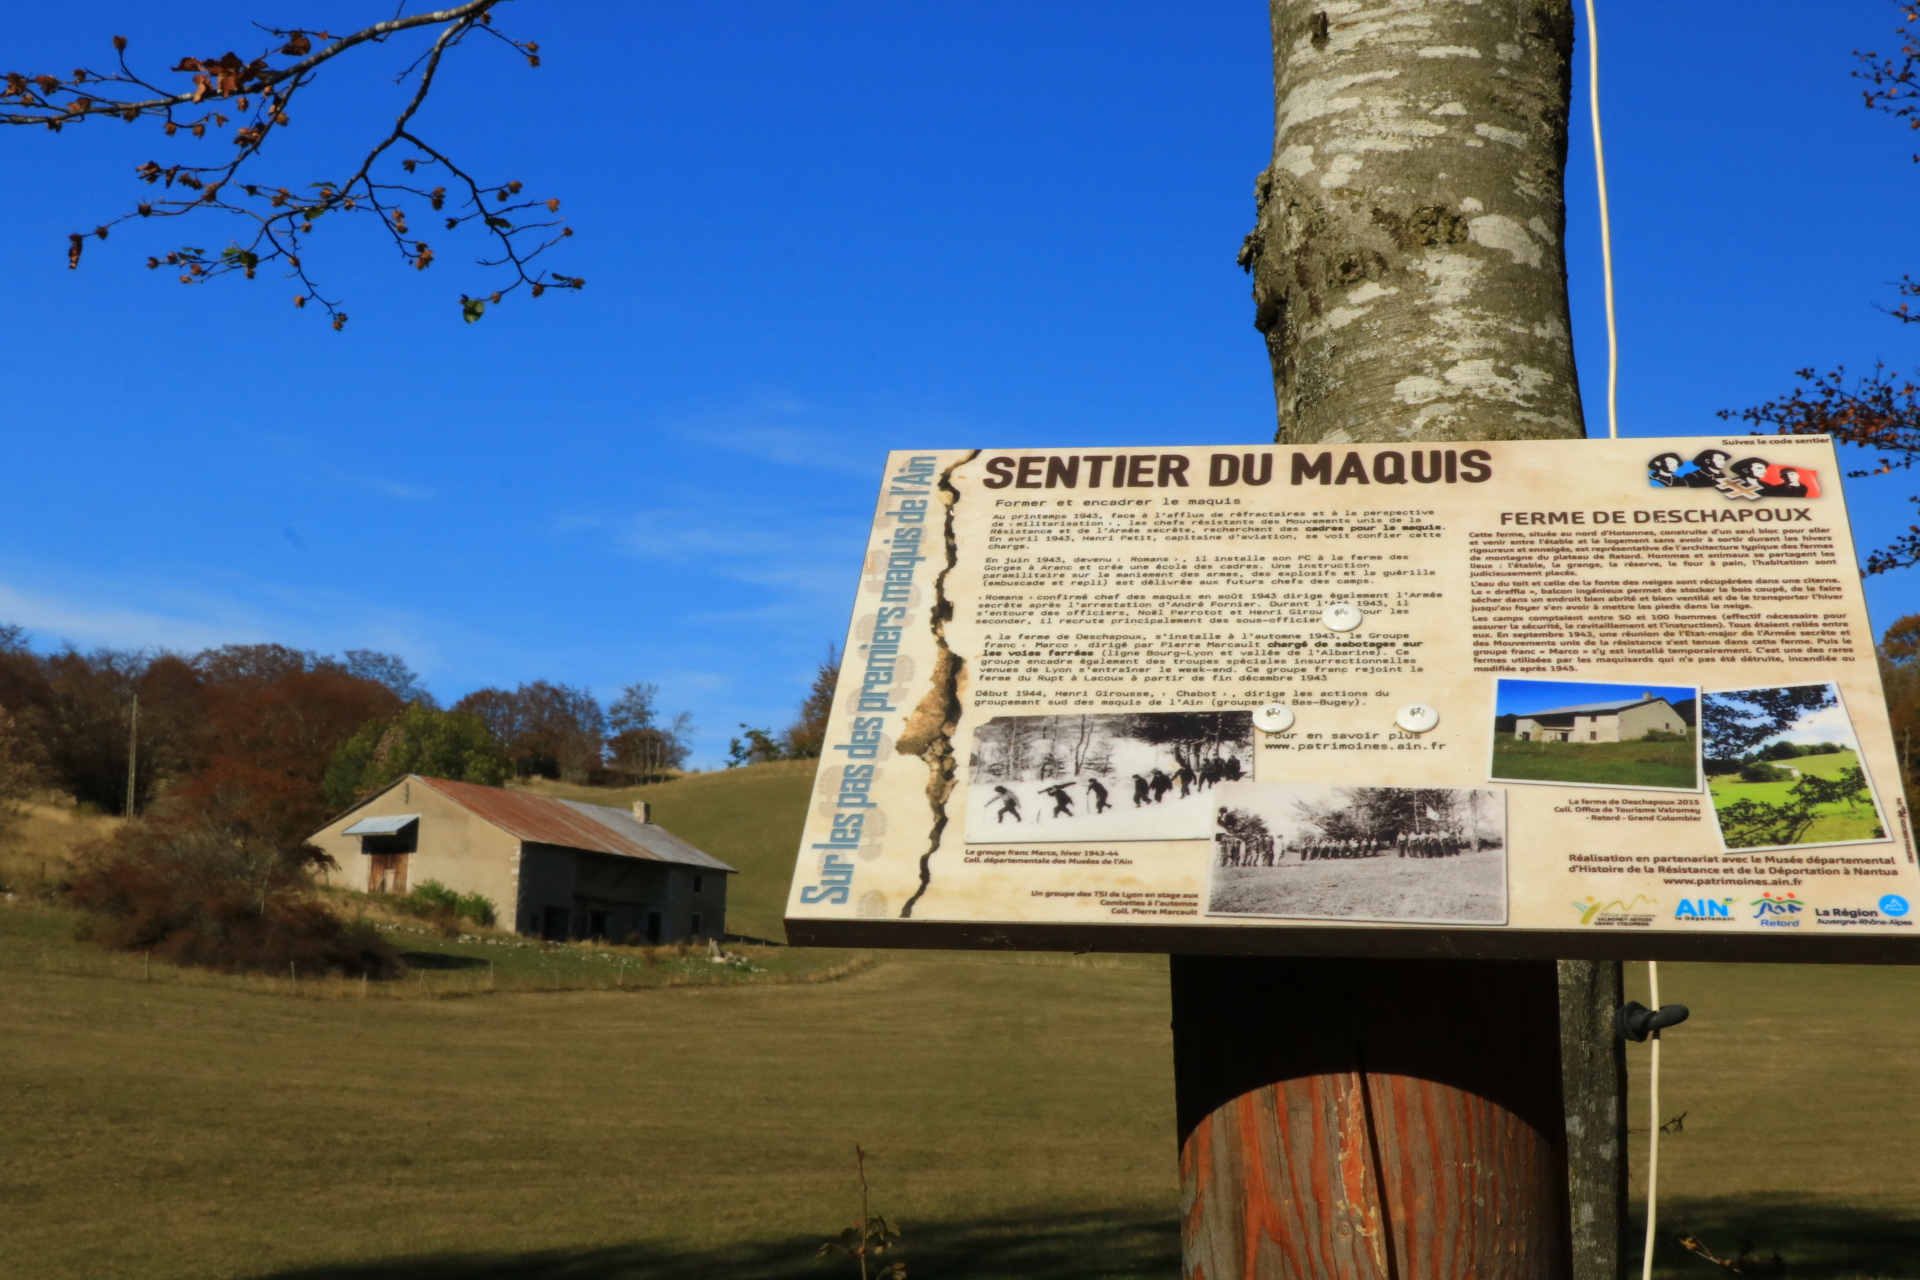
1166, 762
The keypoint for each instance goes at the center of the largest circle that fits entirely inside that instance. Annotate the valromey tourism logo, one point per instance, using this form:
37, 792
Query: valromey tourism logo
1617, 913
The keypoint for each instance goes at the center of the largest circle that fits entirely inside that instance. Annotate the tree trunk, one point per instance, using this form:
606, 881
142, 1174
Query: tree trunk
1402, 1119
1593, 1069
1407, 263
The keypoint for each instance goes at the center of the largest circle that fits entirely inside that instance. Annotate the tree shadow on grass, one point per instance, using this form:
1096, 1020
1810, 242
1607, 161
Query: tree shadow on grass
1812, 1240
1777, 1239
440, 960
1070, 1246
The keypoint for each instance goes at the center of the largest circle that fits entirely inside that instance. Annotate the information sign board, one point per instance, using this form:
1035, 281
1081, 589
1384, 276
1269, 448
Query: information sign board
1541, 698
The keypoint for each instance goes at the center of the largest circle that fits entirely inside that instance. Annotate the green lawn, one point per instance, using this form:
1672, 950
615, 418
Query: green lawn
576, 1114
1619, 764
1018, 1111
1799, 1118
1836, 821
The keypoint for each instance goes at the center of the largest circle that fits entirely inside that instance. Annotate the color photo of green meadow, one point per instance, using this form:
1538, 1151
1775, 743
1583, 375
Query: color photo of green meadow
1784, 769
1598, 735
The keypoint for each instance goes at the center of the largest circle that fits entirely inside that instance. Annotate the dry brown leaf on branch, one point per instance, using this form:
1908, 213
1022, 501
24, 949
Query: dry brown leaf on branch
260, 90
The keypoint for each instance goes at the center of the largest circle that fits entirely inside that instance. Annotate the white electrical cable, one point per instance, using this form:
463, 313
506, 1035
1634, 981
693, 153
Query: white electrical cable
1606, 227
1613, 433
1653, 1128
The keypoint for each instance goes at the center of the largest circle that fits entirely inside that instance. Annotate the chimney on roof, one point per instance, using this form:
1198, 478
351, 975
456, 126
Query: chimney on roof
1647, 694
643, 811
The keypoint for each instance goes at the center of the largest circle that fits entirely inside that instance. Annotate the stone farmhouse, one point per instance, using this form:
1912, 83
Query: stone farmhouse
1622, 721
553, 868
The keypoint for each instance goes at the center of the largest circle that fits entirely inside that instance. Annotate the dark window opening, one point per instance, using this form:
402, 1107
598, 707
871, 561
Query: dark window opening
696, 884
596, 924
696, 924
554, 924
653, 927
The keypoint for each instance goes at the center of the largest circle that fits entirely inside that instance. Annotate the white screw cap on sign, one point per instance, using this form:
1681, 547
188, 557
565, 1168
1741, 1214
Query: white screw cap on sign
1341, 617
1275, 717
1416, 717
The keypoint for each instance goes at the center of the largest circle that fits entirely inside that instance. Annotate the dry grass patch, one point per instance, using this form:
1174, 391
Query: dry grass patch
37, 850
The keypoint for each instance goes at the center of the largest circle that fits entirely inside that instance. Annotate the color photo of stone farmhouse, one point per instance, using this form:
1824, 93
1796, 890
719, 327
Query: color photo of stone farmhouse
553, 868
1590, 734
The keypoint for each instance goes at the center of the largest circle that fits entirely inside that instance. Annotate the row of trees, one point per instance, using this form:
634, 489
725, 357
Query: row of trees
536, 730
240, 752
318, 730
313, 729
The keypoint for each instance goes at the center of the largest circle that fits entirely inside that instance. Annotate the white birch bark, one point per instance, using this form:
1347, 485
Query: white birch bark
1408, 266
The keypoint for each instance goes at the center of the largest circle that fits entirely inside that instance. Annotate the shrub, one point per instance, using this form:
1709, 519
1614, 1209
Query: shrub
1761, 771
216, 877
1663, 735
200, 894
432, 899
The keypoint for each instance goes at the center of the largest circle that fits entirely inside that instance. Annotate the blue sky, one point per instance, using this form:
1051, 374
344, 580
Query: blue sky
811, 233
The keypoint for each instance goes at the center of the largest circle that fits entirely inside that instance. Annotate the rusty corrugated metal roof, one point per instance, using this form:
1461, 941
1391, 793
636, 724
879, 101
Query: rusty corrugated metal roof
597, 828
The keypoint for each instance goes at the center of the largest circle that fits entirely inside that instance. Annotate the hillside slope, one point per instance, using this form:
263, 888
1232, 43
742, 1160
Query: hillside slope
749, 818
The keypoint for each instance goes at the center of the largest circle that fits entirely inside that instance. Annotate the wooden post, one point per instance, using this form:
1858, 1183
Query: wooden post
1362, 1118
133, 750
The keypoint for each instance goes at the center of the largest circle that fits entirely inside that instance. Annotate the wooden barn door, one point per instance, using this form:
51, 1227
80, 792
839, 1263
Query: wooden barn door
387, 873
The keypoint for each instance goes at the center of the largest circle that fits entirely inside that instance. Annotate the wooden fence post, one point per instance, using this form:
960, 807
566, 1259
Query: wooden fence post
1363, 1118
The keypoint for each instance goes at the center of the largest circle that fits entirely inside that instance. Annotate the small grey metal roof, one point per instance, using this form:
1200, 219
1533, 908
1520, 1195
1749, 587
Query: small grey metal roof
651, 836
386, 825
1591, 708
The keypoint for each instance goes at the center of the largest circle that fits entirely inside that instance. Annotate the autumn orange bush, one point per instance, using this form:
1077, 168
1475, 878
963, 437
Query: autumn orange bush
219, 877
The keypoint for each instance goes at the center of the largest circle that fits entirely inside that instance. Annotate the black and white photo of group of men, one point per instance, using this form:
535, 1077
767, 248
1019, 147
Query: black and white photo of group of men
1143, 776
1304, 851
1247, 849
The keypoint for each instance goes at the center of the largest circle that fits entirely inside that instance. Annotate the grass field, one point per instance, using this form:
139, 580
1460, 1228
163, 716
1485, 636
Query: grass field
577, 1118
1836, 821
1618, 764
749, 818
1019, 1112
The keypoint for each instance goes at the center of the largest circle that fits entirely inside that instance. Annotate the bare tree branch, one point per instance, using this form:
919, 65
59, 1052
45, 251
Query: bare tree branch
277, 220
1879, 413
